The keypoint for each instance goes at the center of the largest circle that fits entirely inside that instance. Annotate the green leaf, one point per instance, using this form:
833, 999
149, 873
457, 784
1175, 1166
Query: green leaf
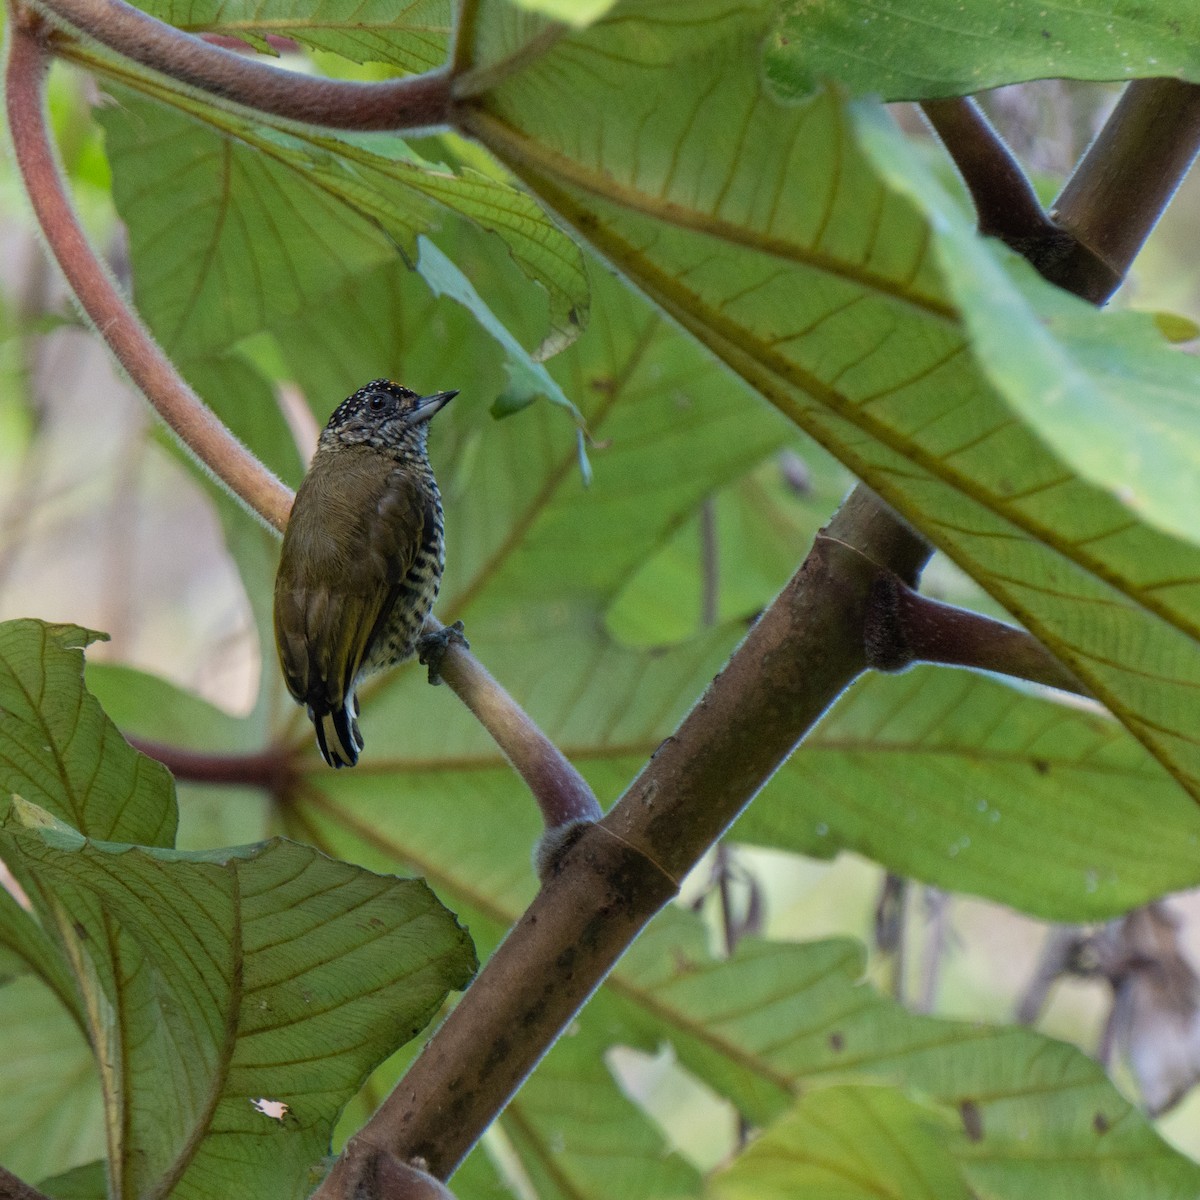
50, 1108
976, 786
89, 1182
801, 260
288, 218
57, 748
579, 1138
847, 1143
276, 975
412, 35
30, 948
733, 558
952, 47
527, 380
543, 252
245, 401
215, 813
1038, 1117
263, 235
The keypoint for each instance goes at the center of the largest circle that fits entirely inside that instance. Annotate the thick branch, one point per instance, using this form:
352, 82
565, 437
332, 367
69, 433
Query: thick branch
795, 661
1125, 181
416, 102
559, 789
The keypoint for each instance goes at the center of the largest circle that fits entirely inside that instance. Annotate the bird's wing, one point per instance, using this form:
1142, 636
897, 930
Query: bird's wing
352, 539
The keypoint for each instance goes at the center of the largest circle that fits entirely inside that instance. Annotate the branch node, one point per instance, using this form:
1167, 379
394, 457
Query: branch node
884, 638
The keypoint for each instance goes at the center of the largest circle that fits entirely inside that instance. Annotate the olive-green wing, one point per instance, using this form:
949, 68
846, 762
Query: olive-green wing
352, 538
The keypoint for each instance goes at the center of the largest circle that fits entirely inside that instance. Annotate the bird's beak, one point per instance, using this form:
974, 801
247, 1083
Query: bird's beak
429, 405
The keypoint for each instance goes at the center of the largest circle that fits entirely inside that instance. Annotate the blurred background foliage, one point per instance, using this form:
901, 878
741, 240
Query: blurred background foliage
703, 502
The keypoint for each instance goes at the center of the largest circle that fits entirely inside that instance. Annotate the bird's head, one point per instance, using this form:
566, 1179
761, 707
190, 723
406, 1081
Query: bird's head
385, 415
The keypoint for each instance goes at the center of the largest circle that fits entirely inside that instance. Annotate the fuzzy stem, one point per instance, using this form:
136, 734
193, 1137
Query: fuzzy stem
415, 102
180, 408
1006, 205
561, 792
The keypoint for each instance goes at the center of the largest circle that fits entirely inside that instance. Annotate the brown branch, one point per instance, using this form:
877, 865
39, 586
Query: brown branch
903, 627
415, 102
1125, 181
559, 789
619, 873
13, 1188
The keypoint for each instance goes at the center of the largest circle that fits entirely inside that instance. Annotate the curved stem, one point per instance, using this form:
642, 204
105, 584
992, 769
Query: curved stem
1005, 202
269, 769
183, 411
561, 792
14, 1188
415, 102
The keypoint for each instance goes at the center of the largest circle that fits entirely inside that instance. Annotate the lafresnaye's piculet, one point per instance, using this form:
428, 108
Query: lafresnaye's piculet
362, 557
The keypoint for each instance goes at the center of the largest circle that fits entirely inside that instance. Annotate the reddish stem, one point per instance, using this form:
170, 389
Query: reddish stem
415, 102
269, 769
184, 412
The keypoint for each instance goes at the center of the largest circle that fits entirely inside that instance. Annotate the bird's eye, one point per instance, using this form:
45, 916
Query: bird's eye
378, 402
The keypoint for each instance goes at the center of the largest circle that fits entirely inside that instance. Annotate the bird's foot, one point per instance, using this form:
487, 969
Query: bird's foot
432, 647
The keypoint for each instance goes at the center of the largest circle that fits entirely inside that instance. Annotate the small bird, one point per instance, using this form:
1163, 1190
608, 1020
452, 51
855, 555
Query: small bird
362, 558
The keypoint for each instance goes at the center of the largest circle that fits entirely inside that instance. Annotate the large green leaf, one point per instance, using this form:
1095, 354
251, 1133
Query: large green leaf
847, 1143
59, 750
281, 220
976, 786
915, 51
579, 1138
266, 975
771, 234
1036, 1117
260, 236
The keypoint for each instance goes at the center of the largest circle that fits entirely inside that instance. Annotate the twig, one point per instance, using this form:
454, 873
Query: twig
272, 769
891, 938
1061, 950
415, 102
560, 791
1124, 182
903, 627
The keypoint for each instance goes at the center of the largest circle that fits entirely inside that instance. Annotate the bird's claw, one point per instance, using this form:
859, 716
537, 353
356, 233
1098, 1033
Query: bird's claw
432, 647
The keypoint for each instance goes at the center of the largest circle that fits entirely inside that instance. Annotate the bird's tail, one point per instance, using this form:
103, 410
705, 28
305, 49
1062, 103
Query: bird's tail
337, 734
